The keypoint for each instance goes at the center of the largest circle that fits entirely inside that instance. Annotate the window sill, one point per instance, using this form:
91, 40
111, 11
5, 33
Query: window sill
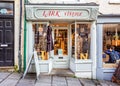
88, 61
114, 1
110, 65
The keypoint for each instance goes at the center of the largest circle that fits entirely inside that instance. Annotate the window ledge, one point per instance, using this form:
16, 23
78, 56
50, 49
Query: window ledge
83, 61
109, 70
114, 1
110, 65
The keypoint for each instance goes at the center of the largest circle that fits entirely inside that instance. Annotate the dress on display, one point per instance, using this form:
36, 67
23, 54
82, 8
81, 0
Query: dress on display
49, 39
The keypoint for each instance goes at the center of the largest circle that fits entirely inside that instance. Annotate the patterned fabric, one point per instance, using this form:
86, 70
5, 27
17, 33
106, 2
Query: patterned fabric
116, 75
41, 42
49, 39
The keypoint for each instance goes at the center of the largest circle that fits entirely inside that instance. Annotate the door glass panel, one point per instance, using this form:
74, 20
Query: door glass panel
6, 8
60, 42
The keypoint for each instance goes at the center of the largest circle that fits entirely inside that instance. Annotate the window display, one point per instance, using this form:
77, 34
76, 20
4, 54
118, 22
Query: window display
40, 34
111, 45
82, 41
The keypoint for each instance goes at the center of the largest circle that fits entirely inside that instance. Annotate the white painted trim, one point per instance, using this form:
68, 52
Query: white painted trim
93, 50
114, 1
61, 63
16, 30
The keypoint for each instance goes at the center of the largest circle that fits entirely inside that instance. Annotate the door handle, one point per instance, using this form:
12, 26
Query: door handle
4, 45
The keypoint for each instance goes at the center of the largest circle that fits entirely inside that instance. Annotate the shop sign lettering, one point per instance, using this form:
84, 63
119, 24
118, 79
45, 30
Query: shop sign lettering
57, 13
61, 13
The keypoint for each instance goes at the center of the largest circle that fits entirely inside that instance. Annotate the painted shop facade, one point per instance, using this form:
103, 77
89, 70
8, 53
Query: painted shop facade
80, 37
72, 43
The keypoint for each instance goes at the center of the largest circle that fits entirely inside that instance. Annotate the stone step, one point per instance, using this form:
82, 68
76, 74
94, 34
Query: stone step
62, 72
7, 69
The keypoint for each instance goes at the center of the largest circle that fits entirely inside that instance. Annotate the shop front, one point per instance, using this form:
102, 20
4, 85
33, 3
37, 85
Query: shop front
64, 37
108, 41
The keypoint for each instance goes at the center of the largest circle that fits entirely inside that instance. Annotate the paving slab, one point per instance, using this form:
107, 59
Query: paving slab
59, 81
107, 83
44, 79
29, 80
73, 81
3, 75
87, 82
43, 84
26, 82
15, 76
10, 80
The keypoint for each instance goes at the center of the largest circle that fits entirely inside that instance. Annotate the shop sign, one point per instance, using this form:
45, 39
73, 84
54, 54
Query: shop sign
61, 13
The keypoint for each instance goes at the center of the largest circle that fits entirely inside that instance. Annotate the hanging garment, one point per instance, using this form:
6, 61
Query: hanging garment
85, 45
116, 75
49, 39
79, 46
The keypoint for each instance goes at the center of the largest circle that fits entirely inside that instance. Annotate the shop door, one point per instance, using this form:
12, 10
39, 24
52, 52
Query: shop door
60, 54
6, 42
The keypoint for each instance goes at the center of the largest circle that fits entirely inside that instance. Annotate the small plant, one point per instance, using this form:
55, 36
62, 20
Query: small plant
16, 68
74, 76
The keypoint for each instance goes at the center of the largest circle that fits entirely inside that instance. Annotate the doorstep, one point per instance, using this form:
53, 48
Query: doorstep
62, 72
7, 69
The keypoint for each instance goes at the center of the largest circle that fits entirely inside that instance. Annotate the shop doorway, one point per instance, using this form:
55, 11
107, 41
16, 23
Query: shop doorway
6, 42
61, 45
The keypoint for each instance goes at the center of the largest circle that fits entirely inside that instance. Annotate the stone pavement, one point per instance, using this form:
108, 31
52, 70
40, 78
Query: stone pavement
14, 79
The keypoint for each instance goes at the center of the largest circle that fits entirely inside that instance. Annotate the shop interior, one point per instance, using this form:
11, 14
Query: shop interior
111, 45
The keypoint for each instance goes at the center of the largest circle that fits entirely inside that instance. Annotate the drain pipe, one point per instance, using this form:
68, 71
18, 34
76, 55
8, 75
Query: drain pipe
25, 35
20, 28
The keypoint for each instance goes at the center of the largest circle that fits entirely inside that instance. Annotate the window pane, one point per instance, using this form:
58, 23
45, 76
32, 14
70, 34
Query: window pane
82, 41
111, 45
40, 31
6, 8
61, 42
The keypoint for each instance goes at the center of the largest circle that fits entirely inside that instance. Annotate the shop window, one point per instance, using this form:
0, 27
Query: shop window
6, 8
111, 45
80, 41
40, 31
